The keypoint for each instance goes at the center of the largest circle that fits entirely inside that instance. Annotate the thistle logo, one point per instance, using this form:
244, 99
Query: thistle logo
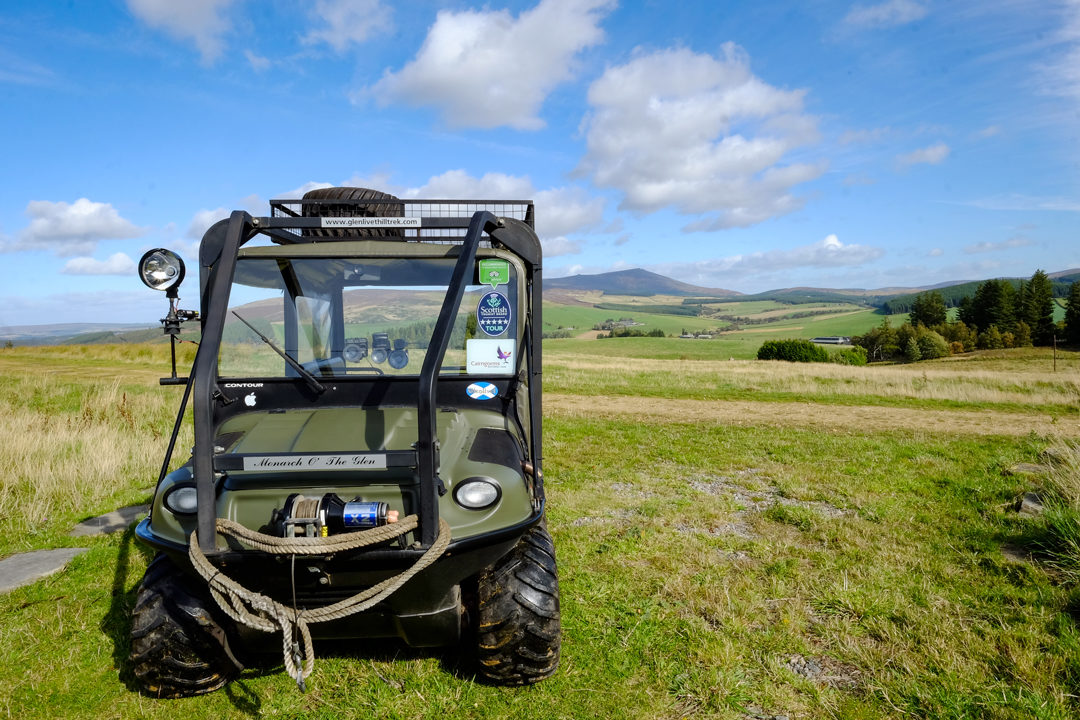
493, 313
249, 399
502, 355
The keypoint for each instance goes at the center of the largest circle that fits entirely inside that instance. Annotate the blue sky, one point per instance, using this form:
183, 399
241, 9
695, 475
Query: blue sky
735, 145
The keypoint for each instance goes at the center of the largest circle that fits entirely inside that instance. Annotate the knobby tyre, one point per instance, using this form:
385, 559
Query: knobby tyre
179, 645
362, 203
518, 622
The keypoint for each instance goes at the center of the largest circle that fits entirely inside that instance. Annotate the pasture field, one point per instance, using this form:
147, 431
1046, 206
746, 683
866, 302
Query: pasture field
776, 319
736, 539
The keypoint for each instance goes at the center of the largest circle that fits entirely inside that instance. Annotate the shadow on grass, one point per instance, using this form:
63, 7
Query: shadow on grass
116, 624
266, 660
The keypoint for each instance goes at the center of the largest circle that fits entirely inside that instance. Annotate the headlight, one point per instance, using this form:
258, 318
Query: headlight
181, 500
161, 269
477, 493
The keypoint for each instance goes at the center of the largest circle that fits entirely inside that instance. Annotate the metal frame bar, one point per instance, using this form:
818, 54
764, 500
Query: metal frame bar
218, 258
427, 441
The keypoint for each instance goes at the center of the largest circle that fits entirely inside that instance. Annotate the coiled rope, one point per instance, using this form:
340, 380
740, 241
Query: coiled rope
263, 613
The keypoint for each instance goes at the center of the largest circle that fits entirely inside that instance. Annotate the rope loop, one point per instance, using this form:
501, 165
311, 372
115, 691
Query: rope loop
267, 615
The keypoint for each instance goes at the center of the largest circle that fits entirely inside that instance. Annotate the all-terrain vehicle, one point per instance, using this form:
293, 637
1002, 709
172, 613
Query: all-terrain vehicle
367, 462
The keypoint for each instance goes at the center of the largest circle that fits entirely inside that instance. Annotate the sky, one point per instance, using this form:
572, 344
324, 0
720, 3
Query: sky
738, 145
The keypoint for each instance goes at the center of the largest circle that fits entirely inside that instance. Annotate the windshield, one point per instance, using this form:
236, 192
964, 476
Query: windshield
352, 316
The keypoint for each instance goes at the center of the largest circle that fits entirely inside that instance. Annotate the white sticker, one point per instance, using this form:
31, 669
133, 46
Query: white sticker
370, 222
489, 357
315, 462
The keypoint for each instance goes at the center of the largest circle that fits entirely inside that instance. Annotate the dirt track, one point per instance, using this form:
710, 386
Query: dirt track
809, 415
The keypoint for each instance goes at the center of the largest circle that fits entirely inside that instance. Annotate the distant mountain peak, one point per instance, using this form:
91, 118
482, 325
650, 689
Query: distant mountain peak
635, 281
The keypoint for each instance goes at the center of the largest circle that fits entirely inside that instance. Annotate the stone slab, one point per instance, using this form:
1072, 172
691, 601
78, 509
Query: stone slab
25, 568
1027, 469
116, 521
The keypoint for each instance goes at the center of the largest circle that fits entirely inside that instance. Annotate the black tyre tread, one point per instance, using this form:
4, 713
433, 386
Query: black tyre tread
173, 652
377, 209
519, 633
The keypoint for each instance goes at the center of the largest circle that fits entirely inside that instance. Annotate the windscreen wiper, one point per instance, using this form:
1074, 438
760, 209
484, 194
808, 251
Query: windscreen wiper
311, 381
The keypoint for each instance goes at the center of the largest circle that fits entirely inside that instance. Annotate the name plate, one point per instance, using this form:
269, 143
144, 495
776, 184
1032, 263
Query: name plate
315, 462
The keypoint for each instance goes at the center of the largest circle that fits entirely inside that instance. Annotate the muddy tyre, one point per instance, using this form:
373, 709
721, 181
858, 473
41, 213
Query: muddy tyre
179, 646
360, 202
518, 625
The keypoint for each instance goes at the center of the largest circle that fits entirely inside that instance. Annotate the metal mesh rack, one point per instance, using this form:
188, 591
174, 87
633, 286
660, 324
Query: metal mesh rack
440, 220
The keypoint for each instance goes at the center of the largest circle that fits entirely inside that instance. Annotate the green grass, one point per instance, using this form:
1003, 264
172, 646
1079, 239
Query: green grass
982, 381
698, 563
848, 319
582, 319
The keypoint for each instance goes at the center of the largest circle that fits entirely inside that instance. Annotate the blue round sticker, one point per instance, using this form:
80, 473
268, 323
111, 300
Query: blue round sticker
493, 313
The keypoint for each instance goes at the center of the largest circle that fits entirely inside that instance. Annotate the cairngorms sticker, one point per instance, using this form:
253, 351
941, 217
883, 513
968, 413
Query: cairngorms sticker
493, 313
482, 391
489, 357
494, 272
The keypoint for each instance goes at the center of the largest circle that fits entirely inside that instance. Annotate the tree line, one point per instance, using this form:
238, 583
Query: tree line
1000, 314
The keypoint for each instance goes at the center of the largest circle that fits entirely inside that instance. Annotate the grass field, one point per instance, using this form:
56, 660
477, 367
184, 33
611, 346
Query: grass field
774, 318
736, 539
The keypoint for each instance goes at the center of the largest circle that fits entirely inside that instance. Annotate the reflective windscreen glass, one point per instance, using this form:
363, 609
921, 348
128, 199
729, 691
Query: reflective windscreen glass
365, 317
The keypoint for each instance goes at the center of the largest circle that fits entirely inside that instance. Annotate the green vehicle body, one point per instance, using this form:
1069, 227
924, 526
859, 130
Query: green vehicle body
412, 437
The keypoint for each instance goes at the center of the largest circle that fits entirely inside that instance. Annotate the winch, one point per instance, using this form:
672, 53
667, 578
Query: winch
328, 515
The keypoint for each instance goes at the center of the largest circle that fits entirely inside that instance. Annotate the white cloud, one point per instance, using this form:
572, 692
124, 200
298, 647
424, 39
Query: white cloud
1015, 201
988, 132
348, 21
559, 211
19, 71
721, 272
487, 69
932, 155
459, 184
886, 14
1061, 75
113, 305
71, 229
698, 133
202, 221
849, 137
297, 193
117, 264
936, 252
258, 62
201, 21
1011, 243
553, 247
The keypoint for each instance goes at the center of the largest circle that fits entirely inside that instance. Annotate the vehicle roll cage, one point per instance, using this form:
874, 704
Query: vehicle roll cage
218, 255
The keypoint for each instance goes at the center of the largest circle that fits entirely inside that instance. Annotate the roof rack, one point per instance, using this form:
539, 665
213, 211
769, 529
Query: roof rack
429, 220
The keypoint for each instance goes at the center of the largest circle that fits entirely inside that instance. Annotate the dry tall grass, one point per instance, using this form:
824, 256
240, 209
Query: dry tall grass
75, 449
957, 382
1064, 476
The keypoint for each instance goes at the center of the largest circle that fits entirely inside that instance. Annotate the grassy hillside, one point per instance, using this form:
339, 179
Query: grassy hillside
759, 319
735, 539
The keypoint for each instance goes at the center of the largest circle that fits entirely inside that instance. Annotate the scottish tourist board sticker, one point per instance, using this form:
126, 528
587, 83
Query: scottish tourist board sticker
482, 391
494, 272
493, 313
